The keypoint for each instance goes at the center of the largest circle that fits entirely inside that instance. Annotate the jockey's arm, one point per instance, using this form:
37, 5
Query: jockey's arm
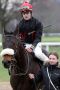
39, 54
37, 51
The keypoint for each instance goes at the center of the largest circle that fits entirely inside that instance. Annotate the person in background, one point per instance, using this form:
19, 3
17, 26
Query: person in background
49, 73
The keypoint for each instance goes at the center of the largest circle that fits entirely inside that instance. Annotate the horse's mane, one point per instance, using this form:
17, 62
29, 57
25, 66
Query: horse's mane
21, 55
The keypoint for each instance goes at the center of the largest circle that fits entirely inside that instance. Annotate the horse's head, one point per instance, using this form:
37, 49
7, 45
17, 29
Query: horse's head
14, 52
8, 51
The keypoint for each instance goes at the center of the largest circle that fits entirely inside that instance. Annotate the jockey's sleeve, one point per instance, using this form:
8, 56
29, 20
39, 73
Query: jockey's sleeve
39, 54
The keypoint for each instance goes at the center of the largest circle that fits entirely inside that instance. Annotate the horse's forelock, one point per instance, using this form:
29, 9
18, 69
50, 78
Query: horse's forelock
9, 41
15, 43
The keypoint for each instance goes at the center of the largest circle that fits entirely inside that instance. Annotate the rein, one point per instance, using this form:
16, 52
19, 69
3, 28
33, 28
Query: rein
20, 74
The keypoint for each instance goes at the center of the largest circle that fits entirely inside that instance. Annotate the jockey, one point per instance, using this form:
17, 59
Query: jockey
30, 32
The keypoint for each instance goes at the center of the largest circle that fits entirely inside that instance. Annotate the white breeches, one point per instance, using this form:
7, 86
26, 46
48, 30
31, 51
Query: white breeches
39, 54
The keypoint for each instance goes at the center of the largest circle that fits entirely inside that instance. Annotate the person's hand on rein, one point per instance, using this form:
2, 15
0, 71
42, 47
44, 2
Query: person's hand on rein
30, 49
31, 76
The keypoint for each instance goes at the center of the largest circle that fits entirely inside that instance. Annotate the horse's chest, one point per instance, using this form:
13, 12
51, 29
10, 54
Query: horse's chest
21, 83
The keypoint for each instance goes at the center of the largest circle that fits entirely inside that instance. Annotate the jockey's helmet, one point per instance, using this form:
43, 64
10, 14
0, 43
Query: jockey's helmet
26, 7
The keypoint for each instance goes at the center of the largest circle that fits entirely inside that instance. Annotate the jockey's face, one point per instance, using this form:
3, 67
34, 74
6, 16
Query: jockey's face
27, 15
53, 59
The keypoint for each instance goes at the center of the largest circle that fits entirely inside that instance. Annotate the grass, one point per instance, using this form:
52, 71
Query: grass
4, 73
55, 48
50, 39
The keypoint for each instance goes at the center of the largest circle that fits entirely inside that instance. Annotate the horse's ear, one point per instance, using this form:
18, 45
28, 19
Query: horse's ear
16, 32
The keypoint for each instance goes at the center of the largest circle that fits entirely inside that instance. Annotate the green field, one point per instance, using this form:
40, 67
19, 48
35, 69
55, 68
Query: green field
50, 39
4, 73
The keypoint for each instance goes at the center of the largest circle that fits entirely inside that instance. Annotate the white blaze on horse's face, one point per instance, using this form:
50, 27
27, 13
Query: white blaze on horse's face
7, 51
7, 54
7, 57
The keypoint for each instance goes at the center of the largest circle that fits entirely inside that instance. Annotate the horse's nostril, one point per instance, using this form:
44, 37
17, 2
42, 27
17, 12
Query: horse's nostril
6, 64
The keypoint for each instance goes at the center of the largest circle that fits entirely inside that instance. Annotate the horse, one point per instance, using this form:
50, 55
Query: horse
21, 65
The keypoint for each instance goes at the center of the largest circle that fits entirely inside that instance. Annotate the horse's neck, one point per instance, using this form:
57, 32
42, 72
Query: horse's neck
22, 58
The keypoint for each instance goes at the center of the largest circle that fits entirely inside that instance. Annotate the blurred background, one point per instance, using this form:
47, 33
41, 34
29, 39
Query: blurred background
47, 11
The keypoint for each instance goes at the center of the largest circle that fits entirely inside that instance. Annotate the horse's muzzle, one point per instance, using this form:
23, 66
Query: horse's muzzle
6, 63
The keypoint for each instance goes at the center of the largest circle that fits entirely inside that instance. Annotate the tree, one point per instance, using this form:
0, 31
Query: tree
7, 12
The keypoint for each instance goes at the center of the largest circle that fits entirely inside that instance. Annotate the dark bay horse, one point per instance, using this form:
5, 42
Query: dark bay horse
22, 64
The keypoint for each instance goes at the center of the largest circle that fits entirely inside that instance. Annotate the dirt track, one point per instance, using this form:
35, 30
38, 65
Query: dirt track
5, 86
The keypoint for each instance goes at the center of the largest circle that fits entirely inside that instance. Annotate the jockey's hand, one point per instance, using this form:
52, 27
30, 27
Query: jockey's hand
31, 76
48, 61
29, 50
29, 47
